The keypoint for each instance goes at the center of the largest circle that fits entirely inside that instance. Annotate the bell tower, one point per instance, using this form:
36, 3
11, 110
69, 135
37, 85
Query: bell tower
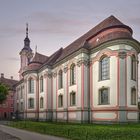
25, 54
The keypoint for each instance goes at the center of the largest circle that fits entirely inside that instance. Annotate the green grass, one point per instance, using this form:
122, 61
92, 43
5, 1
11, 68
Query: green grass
83, 131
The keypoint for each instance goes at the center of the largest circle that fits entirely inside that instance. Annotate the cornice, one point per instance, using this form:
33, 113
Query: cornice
132, 42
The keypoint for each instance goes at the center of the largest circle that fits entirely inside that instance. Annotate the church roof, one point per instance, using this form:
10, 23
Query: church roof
32, 66
39, 58
123, 31
37, 61
110, 22
53, 58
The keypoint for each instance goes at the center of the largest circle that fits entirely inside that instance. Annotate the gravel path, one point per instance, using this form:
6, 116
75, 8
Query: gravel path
9, 133
5, 136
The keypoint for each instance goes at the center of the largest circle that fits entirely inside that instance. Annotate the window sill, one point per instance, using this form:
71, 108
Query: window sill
103, 79
72, 85
60, 88
133, 79
61, 107
104, 104
72, 106
133, 104
30, 108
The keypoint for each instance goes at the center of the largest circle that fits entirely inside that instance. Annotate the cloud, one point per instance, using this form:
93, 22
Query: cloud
10, 31
56, 23
134, 20
13, 58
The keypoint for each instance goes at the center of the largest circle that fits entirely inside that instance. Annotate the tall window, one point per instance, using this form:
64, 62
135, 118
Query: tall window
104, 68
133, 67
31, 85
60, 79
18, 90
60, 101
41, 102
21, 106
22, 89
133, 96
72, 74
30, 103
72, 98
103, 96
17, 106
41, 84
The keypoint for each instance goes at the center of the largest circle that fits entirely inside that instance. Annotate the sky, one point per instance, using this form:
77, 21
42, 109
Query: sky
54, 24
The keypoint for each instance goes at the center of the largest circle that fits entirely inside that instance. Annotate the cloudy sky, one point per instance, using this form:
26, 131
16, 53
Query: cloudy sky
54, 24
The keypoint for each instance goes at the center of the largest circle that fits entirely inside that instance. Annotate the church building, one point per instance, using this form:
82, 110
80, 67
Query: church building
94, 79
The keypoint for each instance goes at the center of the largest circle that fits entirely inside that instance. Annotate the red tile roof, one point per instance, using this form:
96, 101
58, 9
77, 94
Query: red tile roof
39, 58
8, 82
36, 62
111, 22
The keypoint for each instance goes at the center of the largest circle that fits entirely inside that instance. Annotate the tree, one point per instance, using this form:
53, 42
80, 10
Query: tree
3, 93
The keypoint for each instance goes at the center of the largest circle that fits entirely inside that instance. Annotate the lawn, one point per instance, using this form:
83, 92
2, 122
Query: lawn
83, 131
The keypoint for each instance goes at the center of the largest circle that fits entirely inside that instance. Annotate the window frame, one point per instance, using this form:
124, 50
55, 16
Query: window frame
41, 84
31, 104
31, 87
73, 98
21, 93
60, 101
21, 106
60, 79
100, 94
101, 78
72, 74
133, 100
41, 102
133, 68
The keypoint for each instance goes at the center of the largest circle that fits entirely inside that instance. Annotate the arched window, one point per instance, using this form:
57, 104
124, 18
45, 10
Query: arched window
133, 67
41, 84
72, 98
31, 85
31, 103
133, 96
60, 79
41, 102
104, 96
60, 100
72, 74
104, 68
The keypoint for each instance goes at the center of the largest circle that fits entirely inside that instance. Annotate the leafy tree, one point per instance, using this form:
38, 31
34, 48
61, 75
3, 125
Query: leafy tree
3, 93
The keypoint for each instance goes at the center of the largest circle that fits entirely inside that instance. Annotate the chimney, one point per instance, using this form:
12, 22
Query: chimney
2, 75
11, 77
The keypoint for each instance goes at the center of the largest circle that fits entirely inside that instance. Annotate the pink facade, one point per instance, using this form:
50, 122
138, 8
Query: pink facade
7, 107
